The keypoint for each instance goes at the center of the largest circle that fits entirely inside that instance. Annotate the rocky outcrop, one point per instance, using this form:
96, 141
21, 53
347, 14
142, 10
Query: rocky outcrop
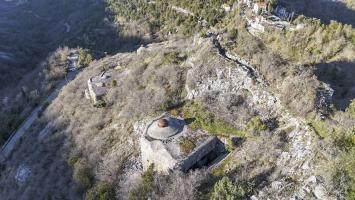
220, 76
324, 100
229, 74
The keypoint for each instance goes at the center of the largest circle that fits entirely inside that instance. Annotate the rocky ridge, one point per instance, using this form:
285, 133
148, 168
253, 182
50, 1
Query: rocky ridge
299, 160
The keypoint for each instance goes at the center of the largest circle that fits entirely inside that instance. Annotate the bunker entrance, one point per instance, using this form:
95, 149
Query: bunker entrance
210, 158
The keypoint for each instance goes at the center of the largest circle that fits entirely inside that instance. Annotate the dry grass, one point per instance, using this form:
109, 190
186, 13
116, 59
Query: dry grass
97, 142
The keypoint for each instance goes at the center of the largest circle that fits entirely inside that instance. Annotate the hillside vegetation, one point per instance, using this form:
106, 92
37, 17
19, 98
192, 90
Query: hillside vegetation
161, 15
40, 60
285, 140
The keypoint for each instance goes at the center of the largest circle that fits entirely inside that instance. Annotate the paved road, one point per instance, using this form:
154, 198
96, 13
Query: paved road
22, 129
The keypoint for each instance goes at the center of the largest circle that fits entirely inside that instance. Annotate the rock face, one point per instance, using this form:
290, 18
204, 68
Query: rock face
97, 86
226, 75
175, 147
324, 99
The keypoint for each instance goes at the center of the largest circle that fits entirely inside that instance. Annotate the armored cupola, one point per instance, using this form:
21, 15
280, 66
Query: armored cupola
165, 127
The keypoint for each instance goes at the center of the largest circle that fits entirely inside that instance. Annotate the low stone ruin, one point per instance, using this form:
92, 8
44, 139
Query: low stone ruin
73, 61
97, 87
168, 144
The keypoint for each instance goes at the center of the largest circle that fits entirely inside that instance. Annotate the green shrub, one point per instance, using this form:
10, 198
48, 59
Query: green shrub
351, 109
345, 174
85, 57
320, 128
145, 189
256, 124
225, 189
350, 172
345, 171
100, 104
208, 121
101, 191
114, 83
221, 169
347, 141
82, 174
233, 33
174, 57
164, 107
161, 17
72, 160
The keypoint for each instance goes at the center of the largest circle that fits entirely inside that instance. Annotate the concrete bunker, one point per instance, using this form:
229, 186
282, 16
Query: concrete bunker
168, 144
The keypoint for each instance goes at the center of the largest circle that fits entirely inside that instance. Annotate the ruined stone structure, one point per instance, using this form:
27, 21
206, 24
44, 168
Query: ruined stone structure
97, 87
167, 143
73, 60
260, 7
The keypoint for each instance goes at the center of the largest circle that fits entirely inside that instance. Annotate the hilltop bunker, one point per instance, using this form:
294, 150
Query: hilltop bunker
168, 144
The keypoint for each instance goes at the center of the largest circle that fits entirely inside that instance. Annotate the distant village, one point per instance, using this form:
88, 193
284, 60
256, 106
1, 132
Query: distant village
261, 15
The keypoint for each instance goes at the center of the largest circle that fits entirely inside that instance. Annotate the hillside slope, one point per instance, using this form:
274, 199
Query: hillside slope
92, 146
281, 101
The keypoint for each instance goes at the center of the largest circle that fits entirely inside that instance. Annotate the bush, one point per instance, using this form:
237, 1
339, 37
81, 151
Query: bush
233, 33
145, 189
351, 109
72, 160
102, 191
256, 124
85, 57
207, 121
161, 17
114, 83
225, 189
321, 128
100, 104
174, 57
82, 174
345, 174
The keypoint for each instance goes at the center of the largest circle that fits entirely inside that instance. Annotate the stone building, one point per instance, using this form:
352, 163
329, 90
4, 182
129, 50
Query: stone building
97, 87
168, 144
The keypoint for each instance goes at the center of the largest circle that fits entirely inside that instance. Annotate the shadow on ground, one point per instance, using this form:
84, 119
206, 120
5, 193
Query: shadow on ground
340, 76
30, 31
325, 10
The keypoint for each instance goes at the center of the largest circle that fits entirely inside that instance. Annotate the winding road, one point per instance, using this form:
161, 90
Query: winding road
15, 137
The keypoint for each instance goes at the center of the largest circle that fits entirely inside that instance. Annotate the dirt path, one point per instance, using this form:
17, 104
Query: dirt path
10, 144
